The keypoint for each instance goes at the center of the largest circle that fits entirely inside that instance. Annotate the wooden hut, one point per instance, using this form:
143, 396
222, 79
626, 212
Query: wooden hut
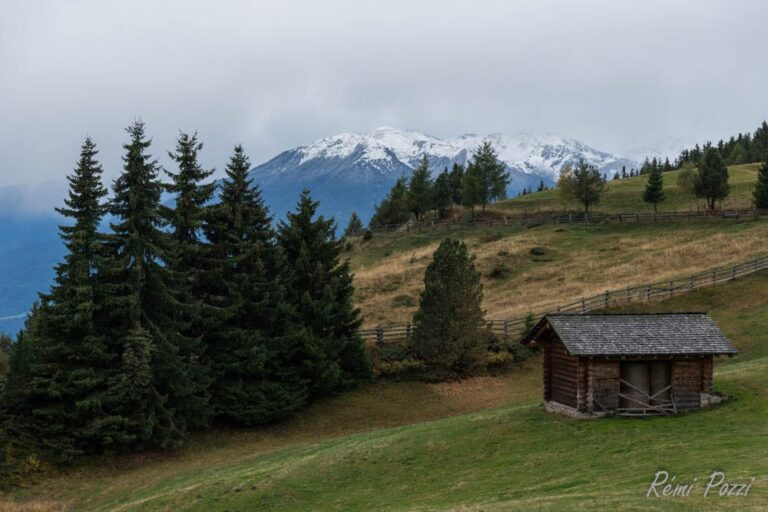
630, 364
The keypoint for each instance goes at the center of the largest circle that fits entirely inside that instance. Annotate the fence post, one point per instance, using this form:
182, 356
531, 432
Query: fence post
408, 332
506, 328
714, 272
607, 298
583, 306
671, 284
629, 295
733, 273
379, 336
648, 293
690, 285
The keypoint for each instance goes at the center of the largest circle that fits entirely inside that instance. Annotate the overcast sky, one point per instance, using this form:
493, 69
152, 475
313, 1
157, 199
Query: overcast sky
272, 75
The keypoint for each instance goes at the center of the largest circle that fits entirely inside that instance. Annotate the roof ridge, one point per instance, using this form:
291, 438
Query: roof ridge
630, 314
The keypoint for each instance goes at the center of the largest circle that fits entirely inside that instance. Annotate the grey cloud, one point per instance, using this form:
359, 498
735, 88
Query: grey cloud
273, 75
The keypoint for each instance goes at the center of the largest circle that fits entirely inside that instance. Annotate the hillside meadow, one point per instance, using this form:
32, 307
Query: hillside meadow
539, 268
627, 195
482, 444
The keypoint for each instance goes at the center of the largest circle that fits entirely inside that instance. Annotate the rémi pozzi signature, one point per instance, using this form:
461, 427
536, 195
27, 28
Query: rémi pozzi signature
664, 485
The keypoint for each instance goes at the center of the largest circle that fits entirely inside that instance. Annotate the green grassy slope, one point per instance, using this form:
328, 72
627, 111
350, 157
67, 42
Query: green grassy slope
626, 195
512, 457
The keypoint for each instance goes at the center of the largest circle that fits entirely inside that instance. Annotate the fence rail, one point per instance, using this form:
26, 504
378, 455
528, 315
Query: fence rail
636, 294
538, 218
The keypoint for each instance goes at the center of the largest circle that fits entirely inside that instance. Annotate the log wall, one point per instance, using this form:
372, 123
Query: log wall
707, 366
562, 376
687, 383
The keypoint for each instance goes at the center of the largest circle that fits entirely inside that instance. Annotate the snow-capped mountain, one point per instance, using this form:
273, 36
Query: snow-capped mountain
352, 172
386, 150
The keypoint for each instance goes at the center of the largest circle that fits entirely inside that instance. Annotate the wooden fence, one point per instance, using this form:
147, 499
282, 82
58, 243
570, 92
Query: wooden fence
539, 218
635, 294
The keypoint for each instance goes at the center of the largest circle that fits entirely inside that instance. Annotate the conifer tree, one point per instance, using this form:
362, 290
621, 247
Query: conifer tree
442, 193
712, 181
471, 189
70, 370
486, 178
251, 335
189, 251
420, 189
354, 226
760, 193
153, 397
319, 287
393, 209
654, 188
448, 333
457, 176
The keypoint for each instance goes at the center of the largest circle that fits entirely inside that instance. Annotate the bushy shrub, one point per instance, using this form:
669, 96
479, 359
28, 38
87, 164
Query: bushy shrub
500, 270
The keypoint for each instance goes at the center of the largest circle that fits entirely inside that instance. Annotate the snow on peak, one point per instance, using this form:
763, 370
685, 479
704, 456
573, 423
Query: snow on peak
528, 152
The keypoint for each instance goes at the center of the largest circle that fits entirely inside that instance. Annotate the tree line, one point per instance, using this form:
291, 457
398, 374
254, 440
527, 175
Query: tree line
742, 148
180, 315
482, 181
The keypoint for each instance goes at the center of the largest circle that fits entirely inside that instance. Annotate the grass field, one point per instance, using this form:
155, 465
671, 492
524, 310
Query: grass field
626, 195
407, 446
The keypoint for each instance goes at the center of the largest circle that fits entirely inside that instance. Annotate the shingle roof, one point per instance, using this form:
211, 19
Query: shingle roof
636, 334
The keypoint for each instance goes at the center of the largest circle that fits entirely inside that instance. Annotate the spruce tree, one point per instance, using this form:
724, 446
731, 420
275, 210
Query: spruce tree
487, 178
442, 193
393, 209
471, 188
189, 251
712, 181
457, 175
354, 226
448, 333
654, 188
153, 397
320, 288
760, 193
70, 370
420, 189
251, 335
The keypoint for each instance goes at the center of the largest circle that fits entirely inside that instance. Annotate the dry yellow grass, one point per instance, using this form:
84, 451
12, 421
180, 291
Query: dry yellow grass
577, 262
